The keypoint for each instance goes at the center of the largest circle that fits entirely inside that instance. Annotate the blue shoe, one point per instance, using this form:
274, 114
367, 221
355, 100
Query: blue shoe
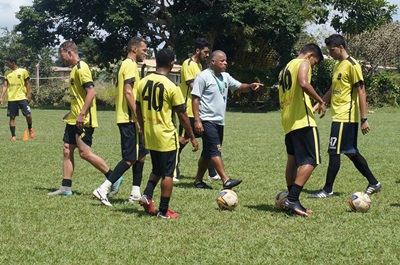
115, 187
61, 191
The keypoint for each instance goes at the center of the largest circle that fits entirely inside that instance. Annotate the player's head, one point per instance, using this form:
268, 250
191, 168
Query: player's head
165, 58
203, 48
219, 61
11, 62
68, 52
137, 46
336, 46
313, 53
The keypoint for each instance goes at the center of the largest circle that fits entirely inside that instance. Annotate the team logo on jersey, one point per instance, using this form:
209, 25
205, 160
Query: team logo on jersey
19, 76
72, 81
339, 77
219, 147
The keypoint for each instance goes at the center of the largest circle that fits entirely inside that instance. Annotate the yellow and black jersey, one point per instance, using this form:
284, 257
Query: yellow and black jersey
127, 74
16, 89
295, 104
157, 96
80, 79
347, 77
189, 70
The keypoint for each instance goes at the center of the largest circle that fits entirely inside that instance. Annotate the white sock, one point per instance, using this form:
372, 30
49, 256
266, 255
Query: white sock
135, 191
106, 185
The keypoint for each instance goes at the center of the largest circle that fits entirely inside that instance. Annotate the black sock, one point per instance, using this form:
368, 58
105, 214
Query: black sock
12, 130
118, 171
211, 170
137, 173
333, 169
164, 204
361, 164
289, 187
108, 174
151, 185
29, 125
66, 183
294, 193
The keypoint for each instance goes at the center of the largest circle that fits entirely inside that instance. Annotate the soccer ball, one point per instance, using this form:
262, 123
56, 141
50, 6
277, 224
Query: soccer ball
280, 197
359, 202
227, 200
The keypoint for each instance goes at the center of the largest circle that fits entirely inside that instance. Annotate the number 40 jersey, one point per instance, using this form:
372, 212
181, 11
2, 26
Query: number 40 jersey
157, 96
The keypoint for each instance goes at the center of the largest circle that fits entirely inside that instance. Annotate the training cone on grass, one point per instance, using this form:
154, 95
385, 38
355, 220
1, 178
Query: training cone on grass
25, 137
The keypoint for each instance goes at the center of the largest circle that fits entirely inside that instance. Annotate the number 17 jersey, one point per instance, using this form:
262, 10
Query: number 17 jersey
157, 96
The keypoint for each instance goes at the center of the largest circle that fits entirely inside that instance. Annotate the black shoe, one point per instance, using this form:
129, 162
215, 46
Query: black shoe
296, 207
230, 183
202, 185
371, 189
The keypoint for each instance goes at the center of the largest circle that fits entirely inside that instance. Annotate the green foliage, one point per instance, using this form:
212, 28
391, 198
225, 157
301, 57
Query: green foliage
322, 76
383, 90
36, 229
53, 93
106, 94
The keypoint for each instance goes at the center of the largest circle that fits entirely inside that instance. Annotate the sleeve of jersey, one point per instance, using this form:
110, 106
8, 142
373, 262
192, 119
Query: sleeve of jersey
190, 73
233, 84
86, 76
198, 86
356, 73
129, 74
177, 97
26, 75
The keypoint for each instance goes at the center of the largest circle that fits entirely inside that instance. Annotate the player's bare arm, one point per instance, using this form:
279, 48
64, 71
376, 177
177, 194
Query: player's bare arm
184, 120
3, 92
302, 78
90, 94
198, 125
28, 90
362, 96
246, 88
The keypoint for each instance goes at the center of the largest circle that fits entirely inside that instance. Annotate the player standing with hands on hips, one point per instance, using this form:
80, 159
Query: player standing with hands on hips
209, 95
301, 133
348, 106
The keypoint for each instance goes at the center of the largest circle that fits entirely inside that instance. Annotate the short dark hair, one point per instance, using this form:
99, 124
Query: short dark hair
68, 46
134, 41
11, 59
164, 57
311, 47
201, 43
335, 40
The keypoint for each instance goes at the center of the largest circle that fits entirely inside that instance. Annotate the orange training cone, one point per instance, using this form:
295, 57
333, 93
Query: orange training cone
25, 137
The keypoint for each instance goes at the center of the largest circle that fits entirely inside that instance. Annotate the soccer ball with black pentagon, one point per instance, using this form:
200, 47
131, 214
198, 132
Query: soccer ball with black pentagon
227, 200
280, 197
360, 202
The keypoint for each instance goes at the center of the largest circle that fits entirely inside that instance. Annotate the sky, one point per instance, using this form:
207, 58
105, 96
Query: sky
8, 8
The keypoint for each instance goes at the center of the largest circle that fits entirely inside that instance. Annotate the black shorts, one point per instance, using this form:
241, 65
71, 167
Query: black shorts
304, 145
183, 133
212, 139
132, 147
86, 134
14, 106
343, 138
163, 163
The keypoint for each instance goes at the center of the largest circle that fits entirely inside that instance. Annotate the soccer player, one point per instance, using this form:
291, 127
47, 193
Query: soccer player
301, 133
81, 120
18, 88
209, 94
157, 99
191, 67
132, 147
348, 103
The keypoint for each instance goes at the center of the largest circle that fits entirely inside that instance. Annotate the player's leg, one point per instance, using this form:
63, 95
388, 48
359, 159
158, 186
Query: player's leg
291, 171
137, 171
361, 164
12, 112
26, 111
147, 198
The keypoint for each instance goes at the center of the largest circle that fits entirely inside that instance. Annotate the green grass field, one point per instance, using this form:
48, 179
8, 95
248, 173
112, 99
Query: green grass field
36, 229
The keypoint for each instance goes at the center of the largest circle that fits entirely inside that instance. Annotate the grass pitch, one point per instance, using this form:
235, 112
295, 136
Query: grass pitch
36, 229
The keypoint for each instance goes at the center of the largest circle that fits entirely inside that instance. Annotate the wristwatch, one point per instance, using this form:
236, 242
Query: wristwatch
363, 120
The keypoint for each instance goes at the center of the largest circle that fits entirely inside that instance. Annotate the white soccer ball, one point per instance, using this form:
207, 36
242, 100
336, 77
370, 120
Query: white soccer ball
227, 200
360, 202
280, 197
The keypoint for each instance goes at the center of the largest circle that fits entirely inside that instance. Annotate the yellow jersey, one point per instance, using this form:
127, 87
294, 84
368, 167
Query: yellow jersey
16, 89
127, 74
157, 96
80, 79
295, 104
189, 70
347, 77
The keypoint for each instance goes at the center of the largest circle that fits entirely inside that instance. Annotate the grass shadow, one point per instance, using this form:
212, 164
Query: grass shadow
335, 194
264, 208
395, 204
